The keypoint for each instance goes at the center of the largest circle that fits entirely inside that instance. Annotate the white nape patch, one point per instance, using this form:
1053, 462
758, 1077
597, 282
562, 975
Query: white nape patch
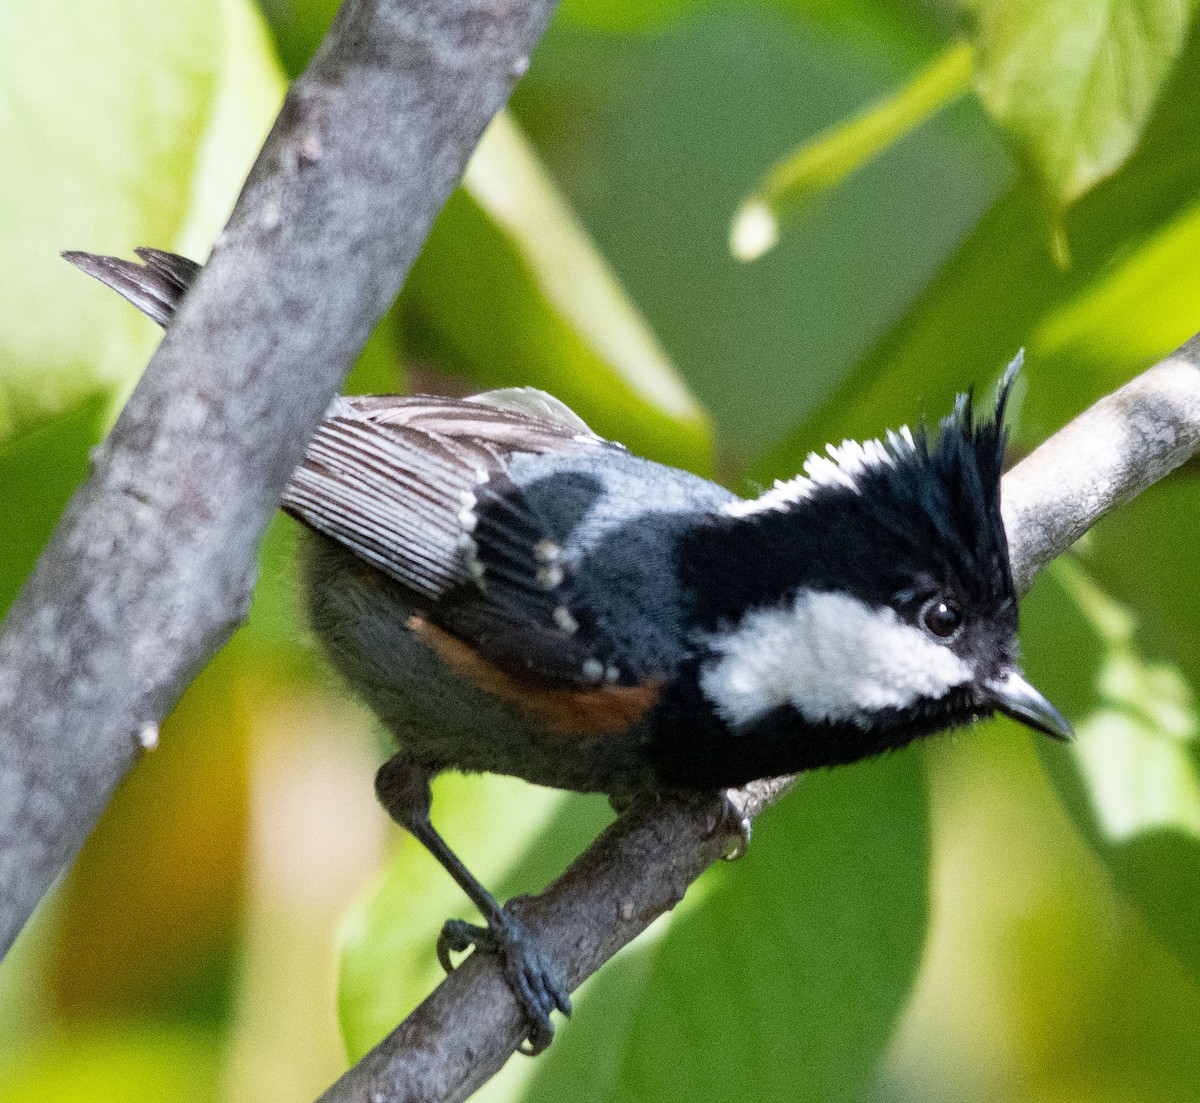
842, 466
830, 656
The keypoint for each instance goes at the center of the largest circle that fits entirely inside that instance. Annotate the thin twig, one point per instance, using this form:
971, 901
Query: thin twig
151, 567
641, 866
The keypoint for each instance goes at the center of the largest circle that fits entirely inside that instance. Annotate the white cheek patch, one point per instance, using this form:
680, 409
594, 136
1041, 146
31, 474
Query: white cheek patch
833, 658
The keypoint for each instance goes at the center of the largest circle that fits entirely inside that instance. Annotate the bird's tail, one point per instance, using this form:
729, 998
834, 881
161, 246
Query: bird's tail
156, 286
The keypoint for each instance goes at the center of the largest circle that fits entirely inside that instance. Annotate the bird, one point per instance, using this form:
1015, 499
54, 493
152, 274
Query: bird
512, 593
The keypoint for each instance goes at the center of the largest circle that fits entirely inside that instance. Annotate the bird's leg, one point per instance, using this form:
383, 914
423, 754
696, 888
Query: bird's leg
403, 788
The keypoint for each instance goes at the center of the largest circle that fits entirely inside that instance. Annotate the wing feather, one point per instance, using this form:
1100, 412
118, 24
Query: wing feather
419, 488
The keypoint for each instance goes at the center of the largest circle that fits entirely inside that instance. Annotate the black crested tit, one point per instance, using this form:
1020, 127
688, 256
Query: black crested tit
511, 593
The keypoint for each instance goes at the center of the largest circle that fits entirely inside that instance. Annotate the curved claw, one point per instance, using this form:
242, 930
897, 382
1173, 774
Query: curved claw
535, 982
733, 821
457, 936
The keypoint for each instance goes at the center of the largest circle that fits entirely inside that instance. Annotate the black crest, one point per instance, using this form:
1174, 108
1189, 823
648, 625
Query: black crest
890, 522
954, 488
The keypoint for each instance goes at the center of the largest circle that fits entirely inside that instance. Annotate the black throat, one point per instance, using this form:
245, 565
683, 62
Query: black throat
693, 748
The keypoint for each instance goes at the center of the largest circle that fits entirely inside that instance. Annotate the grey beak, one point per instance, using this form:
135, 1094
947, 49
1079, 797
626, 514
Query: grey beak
1015, 697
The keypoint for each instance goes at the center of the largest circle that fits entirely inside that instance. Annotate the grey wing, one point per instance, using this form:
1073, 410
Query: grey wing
419, 488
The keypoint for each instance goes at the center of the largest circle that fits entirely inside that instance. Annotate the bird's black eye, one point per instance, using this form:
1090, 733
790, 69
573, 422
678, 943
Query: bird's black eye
941, 617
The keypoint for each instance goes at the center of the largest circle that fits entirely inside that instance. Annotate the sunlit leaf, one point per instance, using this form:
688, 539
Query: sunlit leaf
1144, 307
825, 161
145, 143
118, 1066
1072, 82
1132, 778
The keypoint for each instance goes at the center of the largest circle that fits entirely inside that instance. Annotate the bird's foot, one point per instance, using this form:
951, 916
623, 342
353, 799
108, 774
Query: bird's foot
537, 984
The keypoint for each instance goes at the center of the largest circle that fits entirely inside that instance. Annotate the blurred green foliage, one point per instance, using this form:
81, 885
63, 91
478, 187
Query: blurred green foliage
971, 921
1109, 63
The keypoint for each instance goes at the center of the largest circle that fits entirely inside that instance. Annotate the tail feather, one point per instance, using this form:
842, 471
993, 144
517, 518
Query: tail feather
156, 286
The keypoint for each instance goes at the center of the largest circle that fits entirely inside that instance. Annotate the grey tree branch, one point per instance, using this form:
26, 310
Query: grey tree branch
1109, 454
641, 866
151, 567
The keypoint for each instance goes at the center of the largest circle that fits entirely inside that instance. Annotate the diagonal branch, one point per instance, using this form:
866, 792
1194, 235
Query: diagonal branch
641, 866
1104, 458
151, 567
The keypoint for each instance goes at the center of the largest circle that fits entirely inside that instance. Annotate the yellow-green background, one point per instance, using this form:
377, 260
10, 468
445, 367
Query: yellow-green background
986, 918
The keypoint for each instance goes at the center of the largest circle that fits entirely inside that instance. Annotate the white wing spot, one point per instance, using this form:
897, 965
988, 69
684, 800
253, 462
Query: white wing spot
549, 577
466, 516
562, 617
593, 670
470, 553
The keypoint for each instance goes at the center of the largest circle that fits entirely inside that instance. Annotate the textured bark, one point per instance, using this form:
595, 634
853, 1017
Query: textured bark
1107, 455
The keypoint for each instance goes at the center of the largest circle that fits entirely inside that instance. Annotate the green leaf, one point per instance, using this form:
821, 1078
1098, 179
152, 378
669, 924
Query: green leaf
886, 23
147, 143
1072, 82
657, 175
298, 27
511, 291
118, 1066
1127, 300
828, 909
38, 473
627, 15
825, 161
786, 969
1131, 779
1158, 285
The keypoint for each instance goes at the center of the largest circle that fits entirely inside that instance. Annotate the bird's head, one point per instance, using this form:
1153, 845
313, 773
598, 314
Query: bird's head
872, 595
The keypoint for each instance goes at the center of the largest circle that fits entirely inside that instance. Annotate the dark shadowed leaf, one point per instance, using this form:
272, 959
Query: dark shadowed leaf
786, 969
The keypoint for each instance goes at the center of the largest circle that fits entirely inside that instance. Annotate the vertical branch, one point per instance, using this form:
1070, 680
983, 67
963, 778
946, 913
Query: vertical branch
151, 567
